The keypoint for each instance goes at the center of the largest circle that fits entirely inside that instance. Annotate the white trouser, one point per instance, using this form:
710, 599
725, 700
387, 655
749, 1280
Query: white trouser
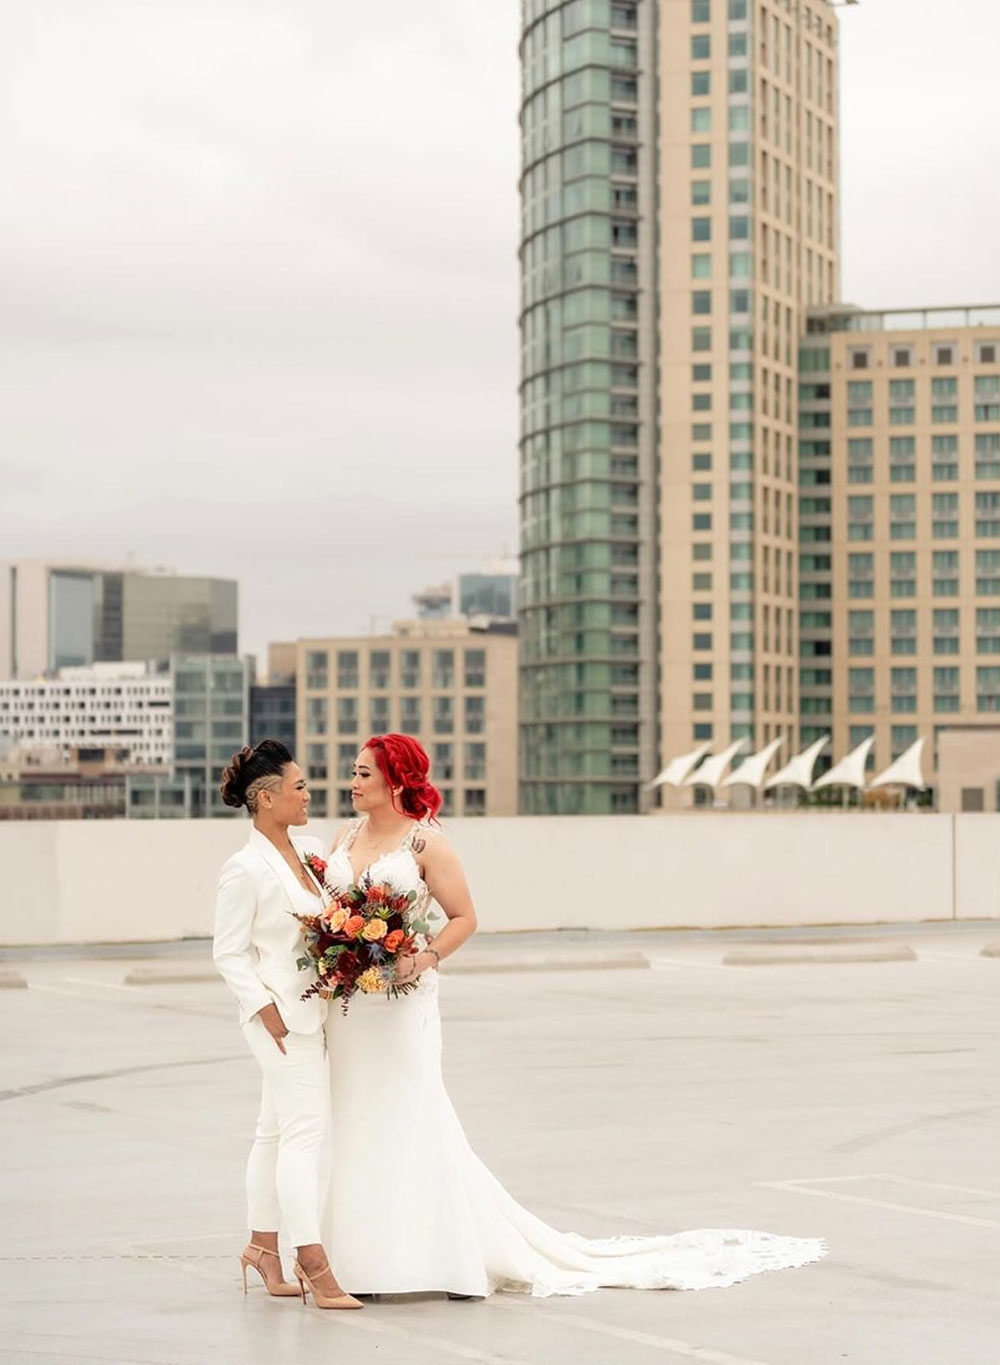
286, 1172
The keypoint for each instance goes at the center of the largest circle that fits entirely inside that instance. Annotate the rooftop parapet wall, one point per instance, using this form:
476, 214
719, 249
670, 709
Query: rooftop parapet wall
131, 881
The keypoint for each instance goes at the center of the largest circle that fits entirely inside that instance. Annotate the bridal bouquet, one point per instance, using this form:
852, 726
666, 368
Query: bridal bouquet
355, 942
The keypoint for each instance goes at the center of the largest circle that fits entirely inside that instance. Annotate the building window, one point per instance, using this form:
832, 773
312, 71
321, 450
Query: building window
701, 119
700, 11
347, 715
316, 763
410, 668
475, 762
701, 83
988, 515
410, 717
346, 754
861, 689
904, 690
347, 669
902, 357
902, 736
988, 455
902, 516
701, 155
475, 668
988, 630
945, 568
474, 801
443, 712
379, 669
859, 359
316, 715
988, 573
988, 689
902, 570
944, 355
988, 412
380, 718
701, 301
443, 669
475, 715
701, 47
443, 765
903, 627
317, 677
944, 525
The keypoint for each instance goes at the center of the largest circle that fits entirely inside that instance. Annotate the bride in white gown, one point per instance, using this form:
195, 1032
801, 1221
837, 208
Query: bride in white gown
411, 1207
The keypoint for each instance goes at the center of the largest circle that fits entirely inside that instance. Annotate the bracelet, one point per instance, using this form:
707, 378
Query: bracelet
437, 957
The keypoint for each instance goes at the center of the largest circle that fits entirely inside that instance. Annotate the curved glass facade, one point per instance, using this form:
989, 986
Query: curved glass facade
586, 607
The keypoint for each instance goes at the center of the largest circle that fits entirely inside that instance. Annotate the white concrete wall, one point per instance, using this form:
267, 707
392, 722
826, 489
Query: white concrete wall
107, 881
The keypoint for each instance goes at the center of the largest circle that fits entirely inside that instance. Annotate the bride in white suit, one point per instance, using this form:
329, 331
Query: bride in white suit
257, 944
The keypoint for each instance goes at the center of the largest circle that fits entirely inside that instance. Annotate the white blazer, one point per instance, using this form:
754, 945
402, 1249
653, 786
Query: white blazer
258, 940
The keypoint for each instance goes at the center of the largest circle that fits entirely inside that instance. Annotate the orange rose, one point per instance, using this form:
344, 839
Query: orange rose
393, 940
354, 925
374, 930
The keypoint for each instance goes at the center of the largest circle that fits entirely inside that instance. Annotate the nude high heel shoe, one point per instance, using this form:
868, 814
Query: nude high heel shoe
248, 1260
319, 1298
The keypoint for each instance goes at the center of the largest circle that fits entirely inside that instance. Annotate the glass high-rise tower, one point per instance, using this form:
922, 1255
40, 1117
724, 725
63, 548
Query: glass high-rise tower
679, 198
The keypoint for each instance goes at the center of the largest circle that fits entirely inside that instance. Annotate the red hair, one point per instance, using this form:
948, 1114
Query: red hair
403, 762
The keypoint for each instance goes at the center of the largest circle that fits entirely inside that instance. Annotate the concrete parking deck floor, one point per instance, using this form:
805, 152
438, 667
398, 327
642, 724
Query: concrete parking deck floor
855, 1101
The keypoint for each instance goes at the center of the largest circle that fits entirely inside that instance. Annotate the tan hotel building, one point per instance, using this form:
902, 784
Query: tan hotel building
900, 525
679, 215
449, 683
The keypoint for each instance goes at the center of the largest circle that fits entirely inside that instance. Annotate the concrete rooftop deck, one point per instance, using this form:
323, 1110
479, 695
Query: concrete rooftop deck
858, 1101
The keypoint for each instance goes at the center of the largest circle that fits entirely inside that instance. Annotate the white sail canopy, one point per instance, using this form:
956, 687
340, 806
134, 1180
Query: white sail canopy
798, 771
905, 771
751, 771
850, 771
674, 774
711, 770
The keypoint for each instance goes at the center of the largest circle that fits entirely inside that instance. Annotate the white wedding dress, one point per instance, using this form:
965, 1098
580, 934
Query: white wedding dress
411, 1208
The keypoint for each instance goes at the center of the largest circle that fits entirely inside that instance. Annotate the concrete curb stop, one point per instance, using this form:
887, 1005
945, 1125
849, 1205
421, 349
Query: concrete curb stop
172, 974
782, 955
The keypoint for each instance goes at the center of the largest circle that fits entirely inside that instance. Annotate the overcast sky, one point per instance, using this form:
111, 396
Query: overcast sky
260, 288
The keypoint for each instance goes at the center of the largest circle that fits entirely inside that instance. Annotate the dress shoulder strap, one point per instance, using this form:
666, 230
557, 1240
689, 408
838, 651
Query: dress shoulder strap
353, 830
407, 845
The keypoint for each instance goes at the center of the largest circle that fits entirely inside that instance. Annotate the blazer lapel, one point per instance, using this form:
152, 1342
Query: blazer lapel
270, 855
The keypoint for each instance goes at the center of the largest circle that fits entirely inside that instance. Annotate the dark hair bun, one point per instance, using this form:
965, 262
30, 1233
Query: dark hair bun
235, 780
269, 758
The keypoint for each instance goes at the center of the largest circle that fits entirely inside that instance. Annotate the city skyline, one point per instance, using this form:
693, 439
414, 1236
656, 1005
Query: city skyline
219, 296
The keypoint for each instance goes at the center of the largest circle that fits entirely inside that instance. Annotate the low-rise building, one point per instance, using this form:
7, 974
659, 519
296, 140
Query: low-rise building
125, 708
452, 684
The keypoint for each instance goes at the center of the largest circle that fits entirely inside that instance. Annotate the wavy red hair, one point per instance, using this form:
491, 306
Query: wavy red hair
403, 762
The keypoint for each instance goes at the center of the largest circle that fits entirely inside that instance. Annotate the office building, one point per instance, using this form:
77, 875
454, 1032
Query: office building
211, 721
272, 713
55, 614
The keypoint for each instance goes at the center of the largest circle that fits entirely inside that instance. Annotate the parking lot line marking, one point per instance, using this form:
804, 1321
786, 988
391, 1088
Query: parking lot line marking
433, 1343
802, 1187
106, 985
680, 1348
